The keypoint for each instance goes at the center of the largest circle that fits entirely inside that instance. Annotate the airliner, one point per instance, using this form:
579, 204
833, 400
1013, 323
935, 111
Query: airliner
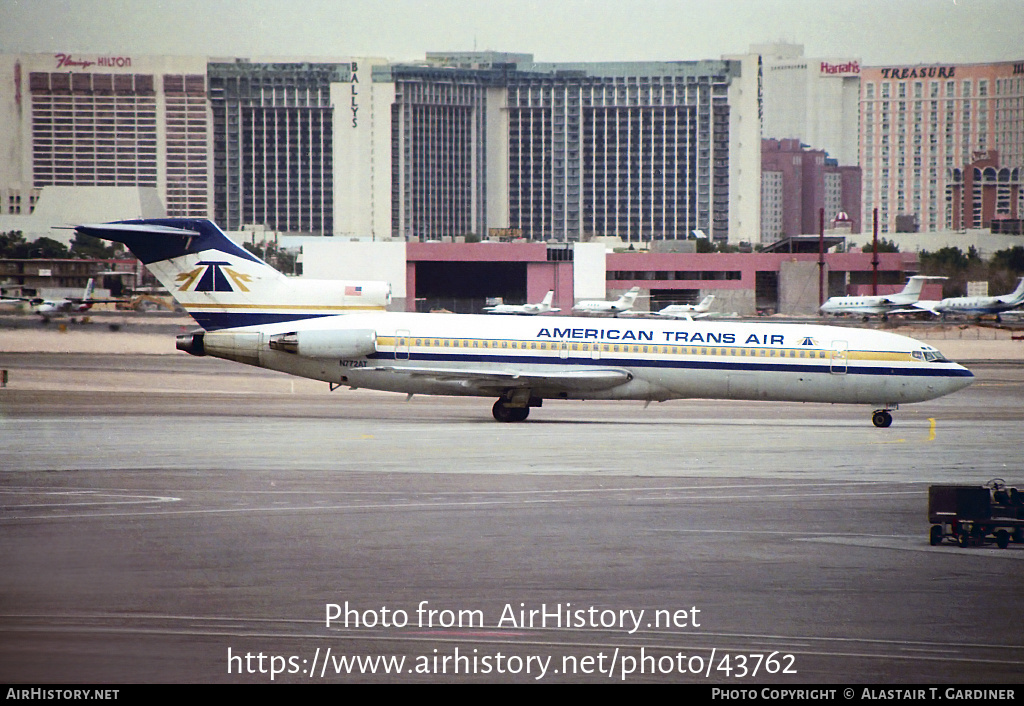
881, 305
544, 307
252, 314
600, 307
978, 305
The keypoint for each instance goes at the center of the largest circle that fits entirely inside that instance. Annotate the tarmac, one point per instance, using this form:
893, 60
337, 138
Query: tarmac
173, 519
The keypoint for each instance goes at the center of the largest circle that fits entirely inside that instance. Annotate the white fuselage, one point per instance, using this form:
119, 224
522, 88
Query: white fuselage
981, 305
454, 354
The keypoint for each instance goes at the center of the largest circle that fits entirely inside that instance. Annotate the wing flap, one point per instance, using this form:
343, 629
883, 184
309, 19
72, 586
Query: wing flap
570, 381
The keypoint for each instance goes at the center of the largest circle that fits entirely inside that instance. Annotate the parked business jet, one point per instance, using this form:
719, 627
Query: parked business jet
688, 311
882, 304
977, 306
600, 307
254, 315
544, 307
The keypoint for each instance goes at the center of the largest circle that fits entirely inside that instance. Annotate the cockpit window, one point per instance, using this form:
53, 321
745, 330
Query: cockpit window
935, 357
917, 354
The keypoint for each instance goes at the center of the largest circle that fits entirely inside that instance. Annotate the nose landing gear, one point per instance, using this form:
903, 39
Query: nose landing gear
881, 418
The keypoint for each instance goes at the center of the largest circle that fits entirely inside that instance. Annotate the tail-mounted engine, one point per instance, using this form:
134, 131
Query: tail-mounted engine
352, 343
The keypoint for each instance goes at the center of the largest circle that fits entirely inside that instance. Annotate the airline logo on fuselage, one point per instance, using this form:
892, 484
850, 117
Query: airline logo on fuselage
211, 276
650, 336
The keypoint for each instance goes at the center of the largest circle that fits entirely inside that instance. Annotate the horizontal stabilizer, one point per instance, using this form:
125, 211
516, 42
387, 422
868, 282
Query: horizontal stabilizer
153, 240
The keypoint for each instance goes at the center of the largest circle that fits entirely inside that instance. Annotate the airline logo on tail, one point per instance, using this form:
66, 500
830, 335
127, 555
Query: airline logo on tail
213, 277
223, 286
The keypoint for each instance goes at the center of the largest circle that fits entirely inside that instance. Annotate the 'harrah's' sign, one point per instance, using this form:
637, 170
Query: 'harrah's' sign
850, 68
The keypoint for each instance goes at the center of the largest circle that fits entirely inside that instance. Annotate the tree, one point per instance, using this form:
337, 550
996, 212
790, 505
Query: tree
944, 261
280, 259
47, 248
883, 246
1011, 259
86, 246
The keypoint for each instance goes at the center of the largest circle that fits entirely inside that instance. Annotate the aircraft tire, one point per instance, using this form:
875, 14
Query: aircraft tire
1002, 539
963, 538
936, 535
504, 413
881, 418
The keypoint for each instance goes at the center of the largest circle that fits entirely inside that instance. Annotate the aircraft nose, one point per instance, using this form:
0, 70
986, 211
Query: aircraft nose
962, 378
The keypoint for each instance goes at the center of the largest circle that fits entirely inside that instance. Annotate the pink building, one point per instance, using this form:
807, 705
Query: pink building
920, 123
797, 182
459, 276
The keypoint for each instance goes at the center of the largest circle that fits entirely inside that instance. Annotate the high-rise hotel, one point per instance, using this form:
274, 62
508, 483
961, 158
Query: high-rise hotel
78, 120
643, 151
922, 125
460, 144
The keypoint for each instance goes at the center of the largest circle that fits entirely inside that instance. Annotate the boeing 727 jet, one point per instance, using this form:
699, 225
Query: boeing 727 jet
252, 314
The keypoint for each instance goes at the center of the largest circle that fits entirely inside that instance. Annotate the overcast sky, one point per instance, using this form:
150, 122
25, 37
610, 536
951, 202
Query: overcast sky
878, 32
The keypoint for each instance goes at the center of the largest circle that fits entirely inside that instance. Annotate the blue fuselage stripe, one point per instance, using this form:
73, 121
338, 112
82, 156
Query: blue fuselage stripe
823, 367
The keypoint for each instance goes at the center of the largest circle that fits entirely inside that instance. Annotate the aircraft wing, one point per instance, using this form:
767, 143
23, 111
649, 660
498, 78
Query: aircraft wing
498, 380
926, 305
911, 310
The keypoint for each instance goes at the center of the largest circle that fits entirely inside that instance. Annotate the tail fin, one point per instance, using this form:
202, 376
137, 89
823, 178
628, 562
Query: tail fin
912, 290
913, 286
223, 285
706, 303
87, 295
1018, 294
548, 298
629, 297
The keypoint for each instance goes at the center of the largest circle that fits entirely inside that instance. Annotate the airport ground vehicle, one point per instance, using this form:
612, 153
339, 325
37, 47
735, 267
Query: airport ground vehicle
972, 515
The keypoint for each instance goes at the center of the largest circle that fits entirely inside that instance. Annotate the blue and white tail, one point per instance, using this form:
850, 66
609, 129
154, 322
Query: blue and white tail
223, 285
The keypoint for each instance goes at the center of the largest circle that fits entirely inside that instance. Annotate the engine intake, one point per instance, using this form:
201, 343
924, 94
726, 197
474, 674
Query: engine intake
350, 343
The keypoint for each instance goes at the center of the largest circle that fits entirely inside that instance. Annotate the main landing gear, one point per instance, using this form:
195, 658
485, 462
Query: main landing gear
514, 405
503, 413
881, 418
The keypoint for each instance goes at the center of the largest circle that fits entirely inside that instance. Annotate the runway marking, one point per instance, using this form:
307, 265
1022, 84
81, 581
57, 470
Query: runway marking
907, 651
121, 499
915, 545
931, 428
280, 506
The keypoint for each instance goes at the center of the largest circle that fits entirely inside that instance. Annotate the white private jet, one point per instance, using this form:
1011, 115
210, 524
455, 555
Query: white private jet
977, 306
544, 307
600, 307
688, 311
253, 314
882, 304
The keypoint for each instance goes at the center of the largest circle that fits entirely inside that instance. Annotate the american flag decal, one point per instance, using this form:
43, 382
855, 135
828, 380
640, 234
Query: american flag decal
351, 291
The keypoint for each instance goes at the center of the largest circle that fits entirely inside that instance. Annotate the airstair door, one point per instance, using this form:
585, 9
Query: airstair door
839, 357
402, 345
